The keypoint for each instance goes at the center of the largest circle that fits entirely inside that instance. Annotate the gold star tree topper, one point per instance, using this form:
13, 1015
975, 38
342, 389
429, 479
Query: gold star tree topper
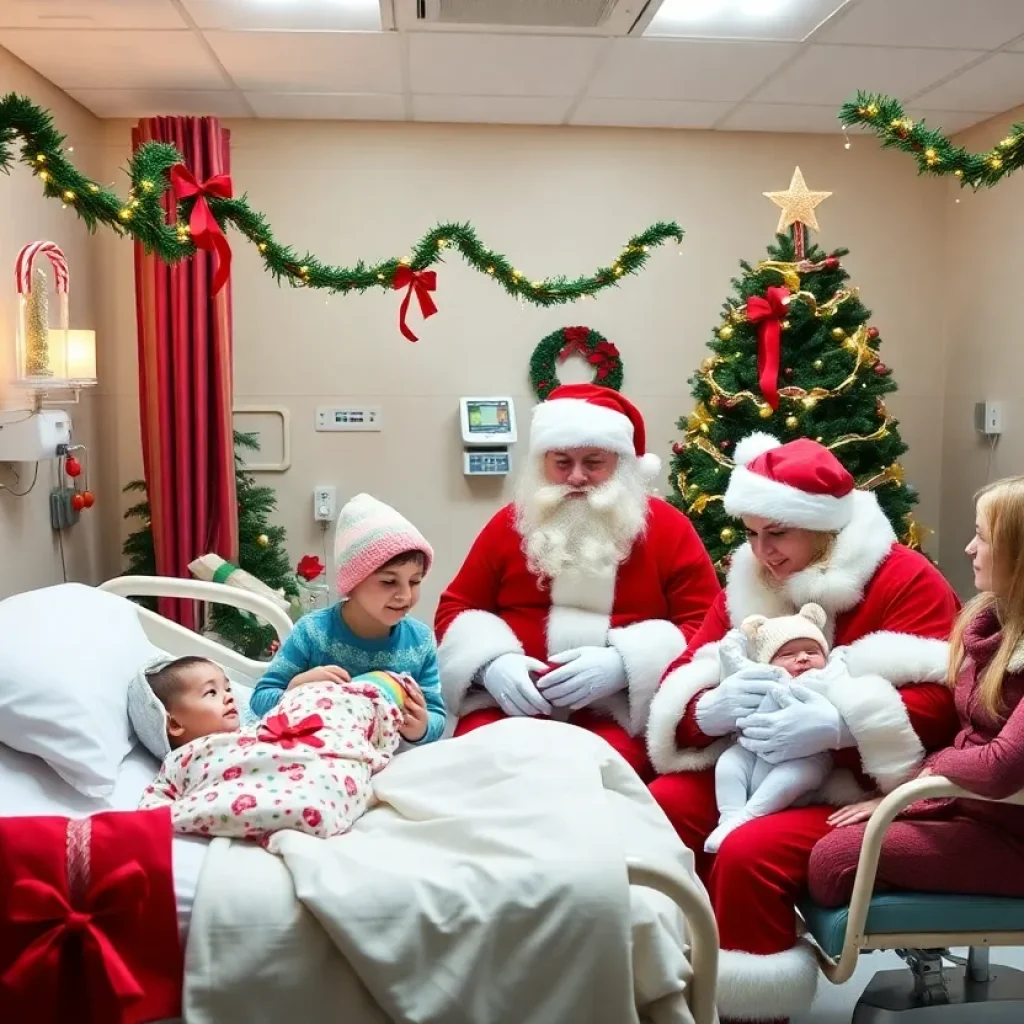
797, 203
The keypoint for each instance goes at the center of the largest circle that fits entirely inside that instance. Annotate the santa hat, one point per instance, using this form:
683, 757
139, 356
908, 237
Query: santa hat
766, 637
796, 484
589, 416
369, 535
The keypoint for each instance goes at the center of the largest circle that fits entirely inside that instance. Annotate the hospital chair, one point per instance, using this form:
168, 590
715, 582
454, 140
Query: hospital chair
920, 928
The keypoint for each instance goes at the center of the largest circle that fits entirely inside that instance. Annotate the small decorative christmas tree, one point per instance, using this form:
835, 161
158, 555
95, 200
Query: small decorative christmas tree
261, 552
794, 356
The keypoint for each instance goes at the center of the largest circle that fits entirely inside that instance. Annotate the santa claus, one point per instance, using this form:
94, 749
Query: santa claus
575, 599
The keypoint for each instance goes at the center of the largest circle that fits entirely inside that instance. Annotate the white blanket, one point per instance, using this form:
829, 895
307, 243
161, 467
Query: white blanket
487, 886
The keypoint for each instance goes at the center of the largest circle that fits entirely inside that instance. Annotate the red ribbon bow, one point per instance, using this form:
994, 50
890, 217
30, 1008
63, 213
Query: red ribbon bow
604, 352
277, 729
769, 311
575, 341
422, 282
206, 232
33, 902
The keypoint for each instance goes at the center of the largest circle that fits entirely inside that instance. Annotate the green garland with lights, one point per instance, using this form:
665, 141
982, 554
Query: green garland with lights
141, 216
933, 151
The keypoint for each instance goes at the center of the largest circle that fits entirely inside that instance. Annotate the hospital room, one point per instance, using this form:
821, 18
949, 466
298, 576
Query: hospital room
511, 512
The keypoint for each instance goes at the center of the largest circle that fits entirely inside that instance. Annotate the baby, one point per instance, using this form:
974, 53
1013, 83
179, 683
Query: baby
747, 786
306, 765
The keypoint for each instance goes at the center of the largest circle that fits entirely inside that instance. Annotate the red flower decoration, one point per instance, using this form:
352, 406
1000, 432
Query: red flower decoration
245, 741
311, 816
243, 803
350, 786
232, 773
277, 729
325, 703
310, 567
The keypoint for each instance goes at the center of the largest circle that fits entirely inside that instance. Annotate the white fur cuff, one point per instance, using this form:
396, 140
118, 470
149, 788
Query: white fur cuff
754, 987
472, 641
647, 649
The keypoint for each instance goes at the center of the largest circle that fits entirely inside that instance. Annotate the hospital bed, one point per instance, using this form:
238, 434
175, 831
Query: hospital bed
921, 928
27, 786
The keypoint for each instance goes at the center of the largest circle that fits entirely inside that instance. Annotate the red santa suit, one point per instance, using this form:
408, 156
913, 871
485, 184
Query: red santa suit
646, 610
884, 602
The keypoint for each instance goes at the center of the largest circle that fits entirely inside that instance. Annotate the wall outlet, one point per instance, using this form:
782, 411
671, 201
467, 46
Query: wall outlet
325, 504
349, 417
988, 418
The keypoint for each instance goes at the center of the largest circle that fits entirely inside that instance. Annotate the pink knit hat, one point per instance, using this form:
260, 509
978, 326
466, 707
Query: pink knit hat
369, 535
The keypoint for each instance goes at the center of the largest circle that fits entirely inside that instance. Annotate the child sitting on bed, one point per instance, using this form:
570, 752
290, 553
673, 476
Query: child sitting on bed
381, 561
307, 765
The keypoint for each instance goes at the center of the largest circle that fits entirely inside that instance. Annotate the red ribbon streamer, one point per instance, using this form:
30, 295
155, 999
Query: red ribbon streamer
277, 729
34, 903
422, 282
206, 232
768, 311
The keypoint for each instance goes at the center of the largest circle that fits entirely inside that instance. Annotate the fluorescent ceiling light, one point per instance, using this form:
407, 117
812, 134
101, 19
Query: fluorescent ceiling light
687, 13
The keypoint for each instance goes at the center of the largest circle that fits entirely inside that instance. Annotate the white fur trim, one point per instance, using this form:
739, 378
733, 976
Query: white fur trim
899, 657
472, 641
580, 612
649, 466
841, 788
668, 708
755, 988
890, 751
753, 445
1016, 662
752, 494
647, 650
573, 423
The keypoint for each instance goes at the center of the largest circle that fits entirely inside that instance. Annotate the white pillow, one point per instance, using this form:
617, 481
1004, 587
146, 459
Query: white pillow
67, 654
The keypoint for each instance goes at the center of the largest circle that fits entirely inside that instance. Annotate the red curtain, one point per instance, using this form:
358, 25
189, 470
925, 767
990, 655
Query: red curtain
185, 381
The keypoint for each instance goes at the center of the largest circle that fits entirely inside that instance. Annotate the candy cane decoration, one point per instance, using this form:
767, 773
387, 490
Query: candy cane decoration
23, 266
34, 349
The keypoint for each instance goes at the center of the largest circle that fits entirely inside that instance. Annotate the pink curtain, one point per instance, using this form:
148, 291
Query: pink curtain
185, 381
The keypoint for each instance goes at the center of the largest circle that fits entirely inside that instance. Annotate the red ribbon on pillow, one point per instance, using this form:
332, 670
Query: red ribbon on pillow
768, 311
420, 282
206, 232
277, 729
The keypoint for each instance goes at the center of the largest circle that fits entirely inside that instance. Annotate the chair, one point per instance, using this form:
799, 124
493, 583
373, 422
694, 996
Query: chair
921, 927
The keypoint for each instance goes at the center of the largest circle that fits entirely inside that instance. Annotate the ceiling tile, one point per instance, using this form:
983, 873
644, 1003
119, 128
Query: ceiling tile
353, 15
625, 113
994, 85
459, 63
311, 61
104, 59
783, 117
685, 70
685, 19
65, 14
328, 106
832, 74
491, 109
151, 102
979, 24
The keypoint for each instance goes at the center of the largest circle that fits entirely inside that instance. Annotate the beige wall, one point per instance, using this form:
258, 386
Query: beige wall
29, 555
554, 200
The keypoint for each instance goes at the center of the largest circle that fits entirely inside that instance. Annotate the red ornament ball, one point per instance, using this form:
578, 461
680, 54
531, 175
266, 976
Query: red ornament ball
832, 263
881, 369
872, 333
77, 502
724, 445
275, 646
88, 499
73, 467
677, 448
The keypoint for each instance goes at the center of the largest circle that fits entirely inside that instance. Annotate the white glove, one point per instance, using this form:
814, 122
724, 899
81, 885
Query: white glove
806, 723
732, 653
508, 680
586, 674
718, 710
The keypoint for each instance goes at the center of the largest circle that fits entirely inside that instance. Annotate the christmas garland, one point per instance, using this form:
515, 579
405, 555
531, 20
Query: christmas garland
567, 341
934, 152
204, 208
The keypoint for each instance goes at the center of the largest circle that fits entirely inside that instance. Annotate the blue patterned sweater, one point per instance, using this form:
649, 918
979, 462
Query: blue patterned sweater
322, 638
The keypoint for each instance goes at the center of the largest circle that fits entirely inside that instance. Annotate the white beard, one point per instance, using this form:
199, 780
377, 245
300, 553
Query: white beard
590, 535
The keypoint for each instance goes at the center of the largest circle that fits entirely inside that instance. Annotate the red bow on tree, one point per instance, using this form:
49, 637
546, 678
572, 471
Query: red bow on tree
422, 282
768, 311
36, 903
575, 341
206, 232
309, 567
277, 729
604, 352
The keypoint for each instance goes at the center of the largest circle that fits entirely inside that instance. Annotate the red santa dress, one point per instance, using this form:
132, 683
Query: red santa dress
890, 606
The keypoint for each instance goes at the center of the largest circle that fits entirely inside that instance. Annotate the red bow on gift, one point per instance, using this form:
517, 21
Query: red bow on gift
206, 232
769, 311
309, 567
575, 341
277, 729
604, 352
33, 902
422, 282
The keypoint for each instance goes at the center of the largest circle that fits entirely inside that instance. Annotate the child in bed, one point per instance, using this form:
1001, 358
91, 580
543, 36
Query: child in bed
307, 765
747, 786
381, 559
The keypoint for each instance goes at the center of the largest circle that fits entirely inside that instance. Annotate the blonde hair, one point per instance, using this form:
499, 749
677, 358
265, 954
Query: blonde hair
1001, 508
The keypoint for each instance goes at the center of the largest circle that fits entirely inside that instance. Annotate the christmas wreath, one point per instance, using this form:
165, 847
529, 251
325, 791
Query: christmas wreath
568, 341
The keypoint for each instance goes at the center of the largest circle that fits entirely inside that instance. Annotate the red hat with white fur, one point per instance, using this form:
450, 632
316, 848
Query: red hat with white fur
796, 484
589, 416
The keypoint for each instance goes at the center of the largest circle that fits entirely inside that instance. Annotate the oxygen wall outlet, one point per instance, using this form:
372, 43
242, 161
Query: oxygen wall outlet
988, 418
325, 504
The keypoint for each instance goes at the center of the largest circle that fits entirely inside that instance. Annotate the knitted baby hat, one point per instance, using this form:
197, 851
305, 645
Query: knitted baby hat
147, 715
766, 636
369, 535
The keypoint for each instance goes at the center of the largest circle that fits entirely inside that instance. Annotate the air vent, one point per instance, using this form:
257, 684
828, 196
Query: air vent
565, 14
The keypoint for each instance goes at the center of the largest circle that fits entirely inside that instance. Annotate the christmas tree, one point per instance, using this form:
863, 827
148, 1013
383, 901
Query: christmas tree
794, 356
261, 552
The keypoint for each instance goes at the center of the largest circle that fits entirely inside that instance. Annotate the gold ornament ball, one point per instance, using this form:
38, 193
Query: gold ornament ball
263, 540
765, 412
810, 402
838, 333
792, 422
728, 535
785, 325
818, 364
725, 332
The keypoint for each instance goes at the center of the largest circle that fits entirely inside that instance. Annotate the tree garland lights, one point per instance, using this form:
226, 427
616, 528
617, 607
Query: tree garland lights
141, 216
933, 151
